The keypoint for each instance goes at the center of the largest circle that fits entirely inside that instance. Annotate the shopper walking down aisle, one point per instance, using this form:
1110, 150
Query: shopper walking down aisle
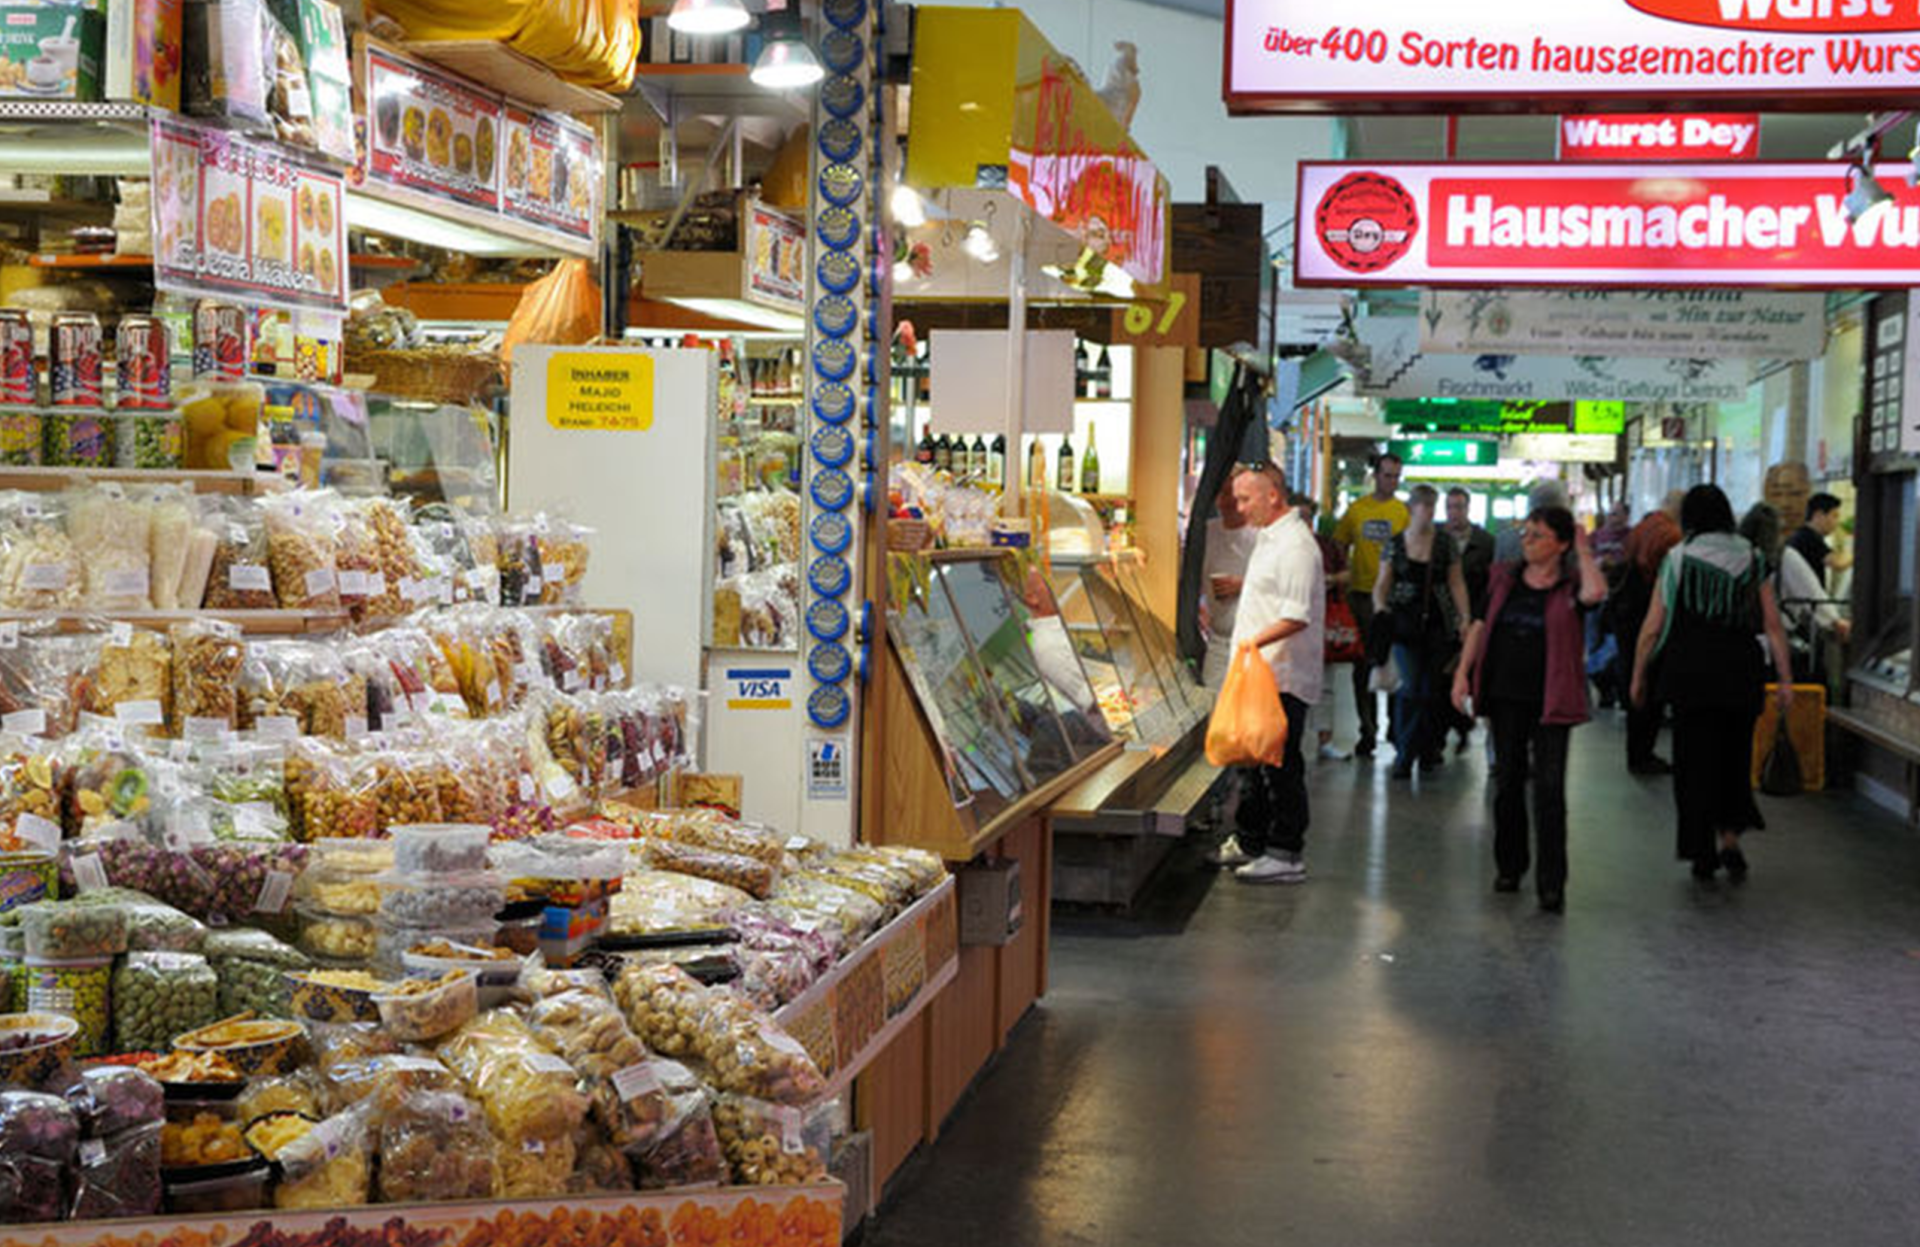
1474, 544
1363, 532
1422, 589
1230, 541
1283, 613
1509, 546
1714, 603
1523, 669
1647, 545
1333, 565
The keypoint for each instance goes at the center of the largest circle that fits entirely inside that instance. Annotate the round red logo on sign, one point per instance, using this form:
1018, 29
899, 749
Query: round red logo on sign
1366, 221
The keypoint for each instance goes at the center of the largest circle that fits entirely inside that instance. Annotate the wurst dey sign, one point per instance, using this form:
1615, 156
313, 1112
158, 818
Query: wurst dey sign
1761, 224
1517, 55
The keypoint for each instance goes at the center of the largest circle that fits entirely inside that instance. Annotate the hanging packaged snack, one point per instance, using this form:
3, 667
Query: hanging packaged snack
239, 576
173, 520
112, 534
301, 540
39, 568
207, 656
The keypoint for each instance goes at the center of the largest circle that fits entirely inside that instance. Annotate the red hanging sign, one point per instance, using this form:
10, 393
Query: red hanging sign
1660, 136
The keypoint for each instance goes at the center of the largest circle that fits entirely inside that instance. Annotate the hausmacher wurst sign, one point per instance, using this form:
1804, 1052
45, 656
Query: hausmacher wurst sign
1591, 225
1307, 56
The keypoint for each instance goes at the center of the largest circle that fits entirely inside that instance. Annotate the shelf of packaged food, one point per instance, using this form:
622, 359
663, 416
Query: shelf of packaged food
851, 1015
251, 622
50, 260
750, 1216
494, 64
204, 481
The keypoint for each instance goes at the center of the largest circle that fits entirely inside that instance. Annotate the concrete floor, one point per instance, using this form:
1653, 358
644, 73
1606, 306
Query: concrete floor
1391, 1054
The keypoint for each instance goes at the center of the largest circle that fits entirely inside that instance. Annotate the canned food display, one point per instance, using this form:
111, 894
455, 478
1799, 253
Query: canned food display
144, 363
74, 361
21, 437
19, 383
78, 439
148, 439
219, 340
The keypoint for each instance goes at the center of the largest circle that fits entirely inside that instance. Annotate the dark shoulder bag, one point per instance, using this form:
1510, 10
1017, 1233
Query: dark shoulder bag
1780, 773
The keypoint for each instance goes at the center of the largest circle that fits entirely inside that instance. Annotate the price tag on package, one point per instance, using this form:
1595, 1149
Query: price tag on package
635, 1081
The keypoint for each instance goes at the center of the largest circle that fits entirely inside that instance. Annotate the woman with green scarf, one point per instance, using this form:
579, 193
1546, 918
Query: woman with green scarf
1713, 608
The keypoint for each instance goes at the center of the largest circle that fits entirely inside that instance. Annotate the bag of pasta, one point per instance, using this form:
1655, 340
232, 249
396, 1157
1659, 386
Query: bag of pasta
112, 536
301, 544
39, 568
240, 577
207, 656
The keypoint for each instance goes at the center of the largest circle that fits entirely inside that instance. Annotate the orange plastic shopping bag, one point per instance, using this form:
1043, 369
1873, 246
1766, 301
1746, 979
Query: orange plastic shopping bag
1249, 727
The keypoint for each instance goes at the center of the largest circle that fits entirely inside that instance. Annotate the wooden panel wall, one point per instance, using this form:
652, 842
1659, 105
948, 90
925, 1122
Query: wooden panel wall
1223, 244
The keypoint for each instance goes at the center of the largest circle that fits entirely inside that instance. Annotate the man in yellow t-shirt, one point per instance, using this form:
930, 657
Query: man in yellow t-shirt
1363, 532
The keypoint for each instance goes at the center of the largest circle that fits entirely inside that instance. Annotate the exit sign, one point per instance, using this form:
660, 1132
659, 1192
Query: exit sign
1446, 452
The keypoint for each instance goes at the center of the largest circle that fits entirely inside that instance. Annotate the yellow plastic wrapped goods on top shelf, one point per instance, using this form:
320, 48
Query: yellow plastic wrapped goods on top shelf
591, 42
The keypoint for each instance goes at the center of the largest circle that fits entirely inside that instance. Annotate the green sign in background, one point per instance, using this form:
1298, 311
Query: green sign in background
1446, 452
1473, 415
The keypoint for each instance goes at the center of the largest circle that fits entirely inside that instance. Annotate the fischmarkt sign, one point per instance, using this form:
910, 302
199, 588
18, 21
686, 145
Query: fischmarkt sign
1674, 324
1392, 365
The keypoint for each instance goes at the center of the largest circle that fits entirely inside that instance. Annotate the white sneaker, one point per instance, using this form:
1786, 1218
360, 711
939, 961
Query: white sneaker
1328, 753
1230, 854
1273, 867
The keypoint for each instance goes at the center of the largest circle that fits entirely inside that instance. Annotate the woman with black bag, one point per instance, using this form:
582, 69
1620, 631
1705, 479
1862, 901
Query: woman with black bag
1424, 592
1713, 603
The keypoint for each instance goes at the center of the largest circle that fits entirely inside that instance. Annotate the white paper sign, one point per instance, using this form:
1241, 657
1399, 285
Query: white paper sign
1395, 367
1675, 324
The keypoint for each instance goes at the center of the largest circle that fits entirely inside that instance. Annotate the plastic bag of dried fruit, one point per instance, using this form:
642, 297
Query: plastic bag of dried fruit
132, 682
207, 656
356, 557
302, 542
39, 568
111, 530
393, 547
239, 576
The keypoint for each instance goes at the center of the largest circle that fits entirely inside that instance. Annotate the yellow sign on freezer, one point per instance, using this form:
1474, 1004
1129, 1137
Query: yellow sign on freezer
600, 390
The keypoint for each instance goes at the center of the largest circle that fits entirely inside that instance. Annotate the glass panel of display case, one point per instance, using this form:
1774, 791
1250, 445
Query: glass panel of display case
1026, 649
437, 452
1000, 644
1184, 697
1074, 605
960, 702
1139, 682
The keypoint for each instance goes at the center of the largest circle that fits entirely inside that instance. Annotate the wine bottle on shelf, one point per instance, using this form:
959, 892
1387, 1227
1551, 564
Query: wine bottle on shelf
979, 465
1090, 465
1065, 476
923, 453
943, 453
1082, 382
1103, 375
1036, 466
997, 462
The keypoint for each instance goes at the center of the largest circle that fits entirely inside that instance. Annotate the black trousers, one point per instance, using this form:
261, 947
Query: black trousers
1364, 698
1712, 778
1273, 799
1535, 753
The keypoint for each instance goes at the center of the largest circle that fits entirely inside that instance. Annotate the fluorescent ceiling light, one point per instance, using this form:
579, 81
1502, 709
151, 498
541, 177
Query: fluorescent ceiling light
365, 212
708, 17
742, 311
786, 64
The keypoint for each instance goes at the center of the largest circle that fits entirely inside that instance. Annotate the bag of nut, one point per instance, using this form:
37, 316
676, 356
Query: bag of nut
302, 545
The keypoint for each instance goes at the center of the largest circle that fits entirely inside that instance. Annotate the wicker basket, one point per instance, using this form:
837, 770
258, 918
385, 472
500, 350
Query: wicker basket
429, 374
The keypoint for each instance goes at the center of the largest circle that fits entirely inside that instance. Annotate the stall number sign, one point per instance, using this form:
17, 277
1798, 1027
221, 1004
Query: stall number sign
1361, 55
759, 688
1660, 136
1651, 225
1173, 320
1446, 452
603, 390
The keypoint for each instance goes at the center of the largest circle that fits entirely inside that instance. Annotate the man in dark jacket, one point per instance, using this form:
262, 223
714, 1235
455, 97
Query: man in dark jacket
1647, 547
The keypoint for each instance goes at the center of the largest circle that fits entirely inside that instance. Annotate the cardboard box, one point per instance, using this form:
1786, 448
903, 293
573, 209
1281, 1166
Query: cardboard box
990, 906
50, 52
143, 52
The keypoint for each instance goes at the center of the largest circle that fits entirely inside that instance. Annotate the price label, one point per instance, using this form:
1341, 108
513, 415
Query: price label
353, 584
793, 1139
547, 1063
120, 635
41, 833
46, 577
135, 713
635, 1081
528, 791
274, 891
25, 722
88, 874
249, 578
276, 727
126, 582
254, 818
10, 634
92, 1152
320, 582
199, 728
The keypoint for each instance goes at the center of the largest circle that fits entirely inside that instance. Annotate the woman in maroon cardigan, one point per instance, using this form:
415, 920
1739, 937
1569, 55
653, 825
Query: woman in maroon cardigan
1524, 669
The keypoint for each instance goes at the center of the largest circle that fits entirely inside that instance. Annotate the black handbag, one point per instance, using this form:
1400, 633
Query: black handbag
1780, 772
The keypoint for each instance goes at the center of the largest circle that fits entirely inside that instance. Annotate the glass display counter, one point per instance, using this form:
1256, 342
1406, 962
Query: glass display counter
1142, 688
